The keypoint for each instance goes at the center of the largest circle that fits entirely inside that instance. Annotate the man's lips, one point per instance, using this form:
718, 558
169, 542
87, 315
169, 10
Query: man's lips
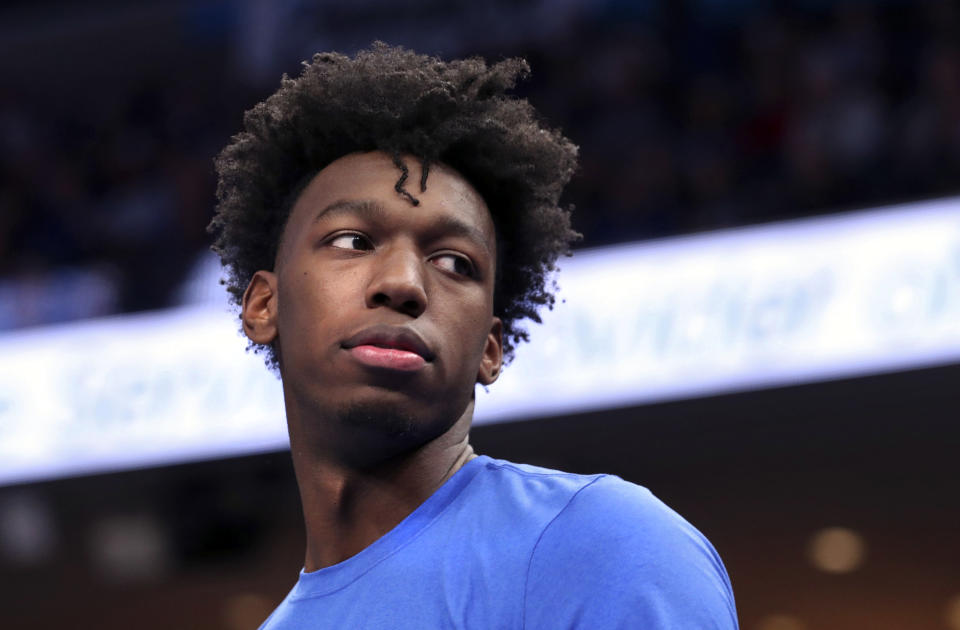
390, 347
389, 358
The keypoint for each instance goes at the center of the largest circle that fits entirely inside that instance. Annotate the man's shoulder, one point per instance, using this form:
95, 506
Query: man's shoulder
534, 479
578, 499
613, 553
533, 493
583, 520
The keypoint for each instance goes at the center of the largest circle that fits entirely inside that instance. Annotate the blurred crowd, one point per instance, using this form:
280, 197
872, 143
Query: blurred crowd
690, 116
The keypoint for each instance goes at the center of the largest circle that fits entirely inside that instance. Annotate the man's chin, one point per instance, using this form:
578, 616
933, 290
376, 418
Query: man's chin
391, 421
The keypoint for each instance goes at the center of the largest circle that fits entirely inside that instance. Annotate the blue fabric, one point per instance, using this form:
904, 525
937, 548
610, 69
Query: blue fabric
504, 545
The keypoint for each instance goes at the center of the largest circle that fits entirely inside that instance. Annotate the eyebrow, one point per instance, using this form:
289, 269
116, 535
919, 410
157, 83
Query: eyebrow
371, 210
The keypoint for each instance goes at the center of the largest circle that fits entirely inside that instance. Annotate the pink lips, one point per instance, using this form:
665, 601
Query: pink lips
390, 347
390, 358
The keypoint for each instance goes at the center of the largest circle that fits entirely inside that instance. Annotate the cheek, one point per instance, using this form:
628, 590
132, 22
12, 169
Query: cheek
306, 303
472, 329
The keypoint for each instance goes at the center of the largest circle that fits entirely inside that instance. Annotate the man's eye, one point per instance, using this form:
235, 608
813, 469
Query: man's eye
351, 241
454, 263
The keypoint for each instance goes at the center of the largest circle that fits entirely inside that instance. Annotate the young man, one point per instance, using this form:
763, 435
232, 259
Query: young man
387, 221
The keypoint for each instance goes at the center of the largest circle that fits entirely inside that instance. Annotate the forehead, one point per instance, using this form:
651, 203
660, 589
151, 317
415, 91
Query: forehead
372, 177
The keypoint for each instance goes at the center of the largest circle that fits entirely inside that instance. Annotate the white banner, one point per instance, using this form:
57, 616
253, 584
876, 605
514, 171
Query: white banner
754, 307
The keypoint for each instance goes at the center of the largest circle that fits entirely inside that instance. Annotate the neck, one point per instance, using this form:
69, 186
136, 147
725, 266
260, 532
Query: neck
348, 505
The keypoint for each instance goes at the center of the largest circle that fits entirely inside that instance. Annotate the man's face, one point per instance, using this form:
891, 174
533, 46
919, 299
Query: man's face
384, 306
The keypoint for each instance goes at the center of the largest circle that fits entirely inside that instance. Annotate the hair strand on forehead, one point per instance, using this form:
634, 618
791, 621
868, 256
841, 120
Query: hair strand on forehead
404, 174
424, 171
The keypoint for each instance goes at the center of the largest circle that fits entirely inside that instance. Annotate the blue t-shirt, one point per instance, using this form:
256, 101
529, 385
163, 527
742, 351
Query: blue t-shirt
504, 545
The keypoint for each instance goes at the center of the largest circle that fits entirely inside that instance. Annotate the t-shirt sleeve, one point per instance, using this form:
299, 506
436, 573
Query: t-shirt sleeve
617, 557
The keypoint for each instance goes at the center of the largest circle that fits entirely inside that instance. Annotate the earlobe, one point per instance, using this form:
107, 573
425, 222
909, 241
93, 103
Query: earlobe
259, 308
492, 361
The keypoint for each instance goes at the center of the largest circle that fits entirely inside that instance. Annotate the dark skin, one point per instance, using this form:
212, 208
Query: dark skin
382, 312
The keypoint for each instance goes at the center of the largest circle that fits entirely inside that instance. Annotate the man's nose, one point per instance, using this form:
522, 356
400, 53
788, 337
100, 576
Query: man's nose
398, 282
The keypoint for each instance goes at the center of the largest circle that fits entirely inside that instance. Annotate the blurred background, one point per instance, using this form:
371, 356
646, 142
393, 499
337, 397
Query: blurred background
833, 501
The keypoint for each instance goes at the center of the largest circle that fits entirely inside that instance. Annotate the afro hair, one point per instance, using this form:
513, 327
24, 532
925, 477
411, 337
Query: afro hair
394, 100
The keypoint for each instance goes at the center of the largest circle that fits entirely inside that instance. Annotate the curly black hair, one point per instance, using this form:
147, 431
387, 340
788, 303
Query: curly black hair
397, 101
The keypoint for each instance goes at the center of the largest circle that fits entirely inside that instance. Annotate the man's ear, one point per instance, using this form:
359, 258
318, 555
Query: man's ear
492, 360
259, 308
